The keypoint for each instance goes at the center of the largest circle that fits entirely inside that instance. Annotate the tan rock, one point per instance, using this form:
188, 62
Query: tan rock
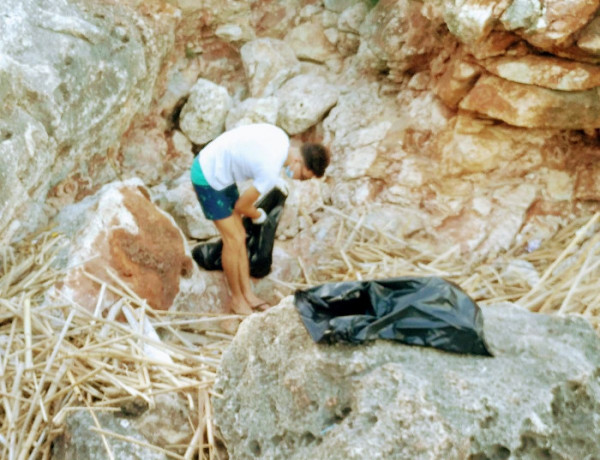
122, 231
549, 23
545, 71
470, 146
308, 40
494, 44
472, 20
587, 183
456, 81
531, 106
589, 39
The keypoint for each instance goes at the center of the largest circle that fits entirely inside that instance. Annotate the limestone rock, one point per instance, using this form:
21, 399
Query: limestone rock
79, 442
180, 201
167, 422
403, 35
121, 230
203, 115
253, 110
304, 100
547, 24
287, 397
472, 20
533, 107
303, 199
589, 39
352, 17
544, 71
268, 63
72, 78
308, 40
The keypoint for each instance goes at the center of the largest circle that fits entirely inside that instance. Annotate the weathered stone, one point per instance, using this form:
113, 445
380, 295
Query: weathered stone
533, 107
587, 182
304, 100
402, 35
470, 146
308, 40
304, 198
79, 442
121, 230
458, 79
167, 422
472, 20
339, 5
203, 115
179, 200
589, 39
544, 71
287, 397
352, 17
253, 110
550, 23
268, 63
72, 77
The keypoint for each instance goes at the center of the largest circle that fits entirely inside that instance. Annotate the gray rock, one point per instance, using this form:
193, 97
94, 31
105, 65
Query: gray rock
253, 110
79, 442
287, 397
303, 101
72, 77
203, 115
268, 63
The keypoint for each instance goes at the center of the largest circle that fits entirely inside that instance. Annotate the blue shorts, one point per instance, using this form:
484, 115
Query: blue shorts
216, 204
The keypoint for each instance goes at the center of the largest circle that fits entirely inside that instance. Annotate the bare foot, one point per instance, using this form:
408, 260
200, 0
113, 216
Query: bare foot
256, 303
240, 306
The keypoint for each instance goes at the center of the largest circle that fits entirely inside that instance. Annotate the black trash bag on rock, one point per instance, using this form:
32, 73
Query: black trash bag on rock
260, 239
426, 311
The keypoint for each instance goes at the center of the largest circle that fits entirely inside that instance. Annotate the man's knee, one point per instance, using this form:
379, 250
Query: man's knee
234, 238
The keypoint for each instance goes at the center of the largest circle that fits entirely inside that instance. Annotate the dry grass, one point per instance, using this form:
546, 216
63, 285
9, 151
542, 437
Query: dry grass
57, 359
62, 358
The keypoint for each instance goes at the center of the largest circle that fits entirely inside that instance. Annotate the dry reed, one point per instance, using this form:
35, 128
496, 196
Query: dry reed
61, 358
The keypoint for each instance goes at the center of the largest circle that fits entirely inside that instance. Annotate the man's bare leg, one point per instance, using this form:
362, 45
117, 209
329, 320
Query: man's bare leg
234, 242
252, 299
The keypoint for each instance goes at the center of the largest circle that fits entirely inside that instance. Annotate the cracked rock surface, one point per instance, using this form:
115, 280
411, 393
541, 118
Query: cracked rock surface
287, 397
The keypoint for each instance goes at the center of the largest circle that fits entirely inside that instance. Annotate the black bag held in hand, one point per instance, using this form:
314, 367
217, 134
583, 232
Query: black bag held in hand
260, 239
426, 311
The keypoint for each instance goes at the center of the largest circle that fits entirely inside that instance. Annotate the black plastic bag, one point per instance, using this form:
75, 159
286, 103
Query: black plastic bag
426, 311
260, 239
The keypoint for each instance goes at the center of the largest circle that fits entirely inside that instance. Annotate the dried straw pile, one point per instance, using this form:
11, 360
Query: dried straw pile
58, 359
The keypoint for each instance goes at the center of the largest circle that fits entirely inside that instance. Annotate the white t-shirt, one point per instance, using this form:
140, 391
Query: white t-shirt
255, 152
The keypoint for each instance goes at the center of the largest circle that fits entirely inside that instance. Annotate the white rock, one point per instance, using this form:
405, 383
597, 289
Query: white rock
304, 100
203, 115
268, 63
253, 110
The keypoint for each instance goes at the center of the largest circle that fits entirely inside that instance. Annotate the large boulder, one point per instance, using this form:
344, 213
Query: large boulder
120, 233
283, 396
268, 63
72, 77
304, 100
531, 106
203, 115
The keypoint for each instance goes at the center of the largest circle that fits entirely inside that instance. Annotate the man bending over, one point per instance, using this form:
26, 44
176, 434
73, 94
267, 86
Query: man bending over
257, 152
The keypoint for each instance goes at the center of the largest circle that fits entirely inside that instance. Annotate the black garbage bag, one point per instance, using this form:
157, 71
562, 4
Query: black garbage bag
260, 239
426, 311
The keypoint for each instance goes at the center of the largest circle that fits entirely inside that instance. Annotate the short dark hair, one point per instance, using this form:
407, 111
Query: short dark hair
316, 157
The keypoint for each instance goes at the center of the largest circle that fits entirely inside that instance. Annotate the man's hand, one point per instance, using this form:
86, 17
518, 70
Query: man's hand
260, 219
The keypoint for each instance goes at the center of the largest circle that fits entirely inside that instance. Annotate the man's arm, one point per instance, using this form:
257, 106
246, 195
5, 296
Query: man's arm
245, 203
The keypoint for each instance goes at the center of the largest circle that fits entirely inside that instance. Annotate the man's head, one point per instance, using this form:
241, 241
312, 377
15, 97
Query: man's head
311, 161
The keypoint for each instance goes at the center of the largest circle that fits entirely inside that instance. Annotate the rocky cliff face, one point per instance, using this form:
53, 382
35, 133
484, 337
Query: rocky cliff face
450, 123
